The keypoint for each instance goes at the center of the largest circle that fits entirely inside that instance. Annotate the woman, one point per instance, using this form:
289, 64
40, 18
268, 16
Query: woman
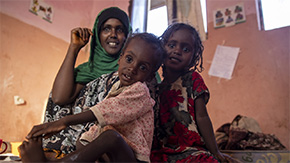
108, 37
109, 34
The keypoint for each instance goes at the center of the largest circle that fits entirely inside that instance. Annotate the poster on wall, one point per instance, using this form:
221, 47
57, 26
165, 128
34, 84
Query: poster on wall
229, 16
41, 9
224, 61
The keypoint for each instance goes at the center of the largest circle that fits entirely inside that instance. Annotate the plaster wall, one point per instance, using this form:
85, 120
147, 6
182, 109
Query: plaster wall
67, 14
29, 61
32, 50
259, 87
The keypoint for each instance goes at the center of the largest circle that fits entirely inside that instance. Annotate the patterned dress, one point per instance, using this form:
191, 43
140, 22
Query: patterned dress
129, 111
94, 92
176, 135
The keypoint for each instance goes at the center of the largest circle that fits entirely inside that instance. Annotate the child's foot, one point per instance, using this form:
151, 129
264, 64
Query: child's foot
32, 151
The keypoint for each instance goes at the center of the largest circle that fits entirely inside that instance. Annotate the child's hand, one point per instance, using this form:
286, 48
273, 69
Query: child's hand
226, 158
230, 159
46, 130
220, 157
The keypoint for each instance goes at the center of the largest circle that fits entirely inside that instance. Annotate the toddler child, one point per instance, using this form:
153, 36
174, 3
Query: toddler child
125, 117
183, 130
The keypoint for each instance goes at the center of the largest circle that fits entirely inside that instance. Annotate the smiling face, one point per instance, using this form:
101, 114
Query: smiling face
137, 62
112, 36
180, 51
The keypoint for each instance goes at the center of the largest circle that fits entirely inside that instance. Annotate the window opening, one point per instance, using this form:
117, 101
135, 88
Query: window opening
204, 16
157, 19
273, 14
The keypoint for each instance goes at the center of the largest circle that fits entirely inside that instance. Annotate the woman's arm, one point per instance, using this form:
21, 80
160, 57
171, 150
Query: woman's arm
205, 127
65, 89
48, 129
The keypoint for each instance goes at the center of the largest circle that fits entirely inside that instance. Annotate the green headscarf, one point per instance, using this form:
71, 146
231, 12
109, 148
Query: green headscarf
100, 62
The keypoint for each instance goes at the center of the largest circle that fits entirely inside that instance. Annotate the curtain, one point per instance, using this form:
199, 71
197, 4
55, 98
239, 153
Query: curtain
186, 11
157, 3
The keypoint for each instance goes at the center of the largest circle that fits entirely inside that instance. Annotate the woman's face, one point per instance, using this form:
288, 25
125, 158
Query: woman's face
112, 36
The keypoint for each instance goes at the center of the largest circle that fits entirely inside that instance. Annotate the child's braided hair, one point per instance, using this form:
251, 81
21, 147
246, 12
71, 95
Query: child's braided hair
198, 47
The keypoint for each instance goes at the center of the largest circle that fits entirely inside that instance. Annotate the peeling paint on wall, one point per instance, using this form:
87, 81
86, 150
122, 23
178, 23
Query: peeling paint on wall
7, 82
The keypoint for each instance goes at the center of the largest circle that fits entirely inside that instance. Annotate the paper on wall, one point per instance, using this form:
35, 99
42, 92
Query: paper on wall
224, 61
38, 7
229, 16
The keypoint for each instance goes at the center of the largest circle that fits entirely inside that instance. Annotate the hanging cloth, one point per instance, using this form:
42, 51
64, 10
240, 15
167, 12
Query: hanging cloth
186, 11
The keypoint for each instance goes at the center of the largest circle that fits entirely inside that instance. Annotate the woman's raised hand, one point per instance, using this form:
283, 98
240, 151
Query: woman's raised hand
46, 130
80, 36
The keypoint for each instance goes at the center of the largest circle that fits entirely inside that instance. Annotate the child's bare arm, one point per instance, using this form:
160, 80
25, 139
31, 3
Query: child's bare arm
48, 129
206, 130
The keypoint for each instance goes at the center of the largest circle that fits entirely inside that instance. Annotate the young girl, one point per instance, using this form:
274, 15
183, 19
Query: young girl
125, 117
183, 130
